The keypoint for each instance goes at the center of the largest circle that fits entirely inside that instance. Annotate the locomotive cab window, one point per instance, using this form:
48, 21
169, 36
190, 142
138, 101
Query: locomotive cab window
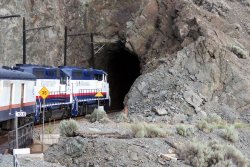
104, 78
39, 73
98, 77
63, 78
77, 74
87, 74
51, 74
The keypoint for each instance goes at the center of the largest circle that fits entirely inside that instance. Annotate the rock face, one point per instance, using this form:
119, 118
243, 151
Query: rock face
206, 72
43, 46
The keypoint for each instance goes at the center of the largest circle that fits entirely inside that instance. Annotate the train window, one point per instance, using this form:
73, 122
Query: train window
63, 80
57, 73
87, 74
76, 74
98, 77
11, 94
50, 74
22, 94
38, 73
105, 77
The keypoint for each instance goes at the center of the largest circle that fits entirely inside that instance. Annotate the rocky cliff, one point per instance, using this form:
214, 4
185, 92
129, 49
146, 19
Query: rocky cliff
202, 66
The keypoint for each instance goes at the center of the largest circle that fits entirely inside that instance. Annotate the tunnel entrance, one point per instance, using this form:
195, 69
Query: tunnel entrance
123, 68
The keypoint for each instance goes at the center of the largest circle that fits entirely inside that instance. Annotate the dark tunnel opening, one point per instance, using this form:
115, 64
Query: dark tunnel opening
123, 68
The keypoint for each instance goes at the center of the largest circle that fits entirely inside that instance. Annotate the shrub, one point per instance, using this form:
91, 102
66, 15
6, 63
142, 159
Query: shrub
142, 129
230, 134
97, 115
184, 130
239, 52
49, 129
199, 154
204, 126
213, 118
68, 128
121, 117
240, 125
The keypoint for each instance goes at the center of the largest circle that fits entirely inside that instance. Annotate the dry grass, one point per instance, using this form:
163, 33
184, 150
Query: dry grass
49, 129
213, 118
230, 134
205, 126
199, 154
121, 117
68, 128
241, 53
97, 115
145, 130
185, 130
239, 125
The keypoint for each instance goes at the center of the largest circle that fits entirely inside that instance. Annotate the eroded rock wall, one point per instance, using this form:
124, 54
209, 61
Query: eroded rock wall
44, 46
207, 72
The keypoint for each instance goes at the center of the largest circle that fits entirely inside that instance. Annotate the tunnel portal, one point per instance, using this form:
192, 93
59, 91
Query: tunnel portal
123, 67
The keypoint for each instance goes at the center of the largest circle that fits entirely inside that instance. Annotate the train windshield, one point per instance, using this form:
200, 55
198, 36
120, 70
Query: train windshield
39, 73
98, 77
77, 74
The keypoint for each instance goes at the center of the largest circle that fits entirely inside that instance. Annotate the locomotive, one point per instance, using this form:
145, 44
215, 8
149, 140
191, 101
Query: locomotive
72, 90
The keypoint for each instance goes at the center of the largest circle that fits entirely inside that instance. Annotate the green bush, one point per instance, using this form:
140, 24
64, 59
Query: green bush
68, 128
213, 118
121, 117
142, 129
210, 154
185, 130
239, 125
97, 115
49, 129
204, 126
241, 53
230, 134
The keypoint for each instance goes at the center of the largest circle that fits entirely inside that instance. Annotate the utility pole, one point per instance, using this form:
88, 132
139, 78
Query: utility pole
24, 42
66, 35
92, 49
65, 46
24, 37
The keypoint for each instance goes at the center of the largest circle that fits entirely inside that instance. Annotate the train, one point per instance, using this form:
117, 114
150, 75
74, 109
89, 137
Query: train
71, 92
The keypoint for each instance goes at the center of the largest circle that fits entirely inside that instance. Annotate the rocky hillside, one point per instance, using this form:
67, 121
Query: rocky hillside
201, 66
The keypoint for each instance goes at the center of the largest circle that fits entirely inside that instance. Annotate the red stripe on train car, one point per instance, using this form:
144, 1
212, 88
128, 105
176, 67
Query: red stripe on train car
68, 95
16, 106
55, 96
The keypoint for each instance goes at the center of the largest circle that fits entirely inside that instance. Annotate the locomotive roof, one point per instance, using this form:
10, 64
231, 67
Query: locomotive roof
15, 75
40, 71
70, 68
33, 66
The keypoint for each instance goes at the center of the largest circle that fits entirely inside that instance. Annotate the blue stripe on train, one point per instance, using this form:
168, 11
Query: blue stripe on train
88, 97
7, 115
53, 100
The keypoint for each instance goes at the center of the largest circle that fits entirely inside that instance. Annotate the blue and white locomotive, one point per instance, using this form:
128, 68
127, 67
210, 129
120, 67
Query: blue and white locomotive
71, 91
